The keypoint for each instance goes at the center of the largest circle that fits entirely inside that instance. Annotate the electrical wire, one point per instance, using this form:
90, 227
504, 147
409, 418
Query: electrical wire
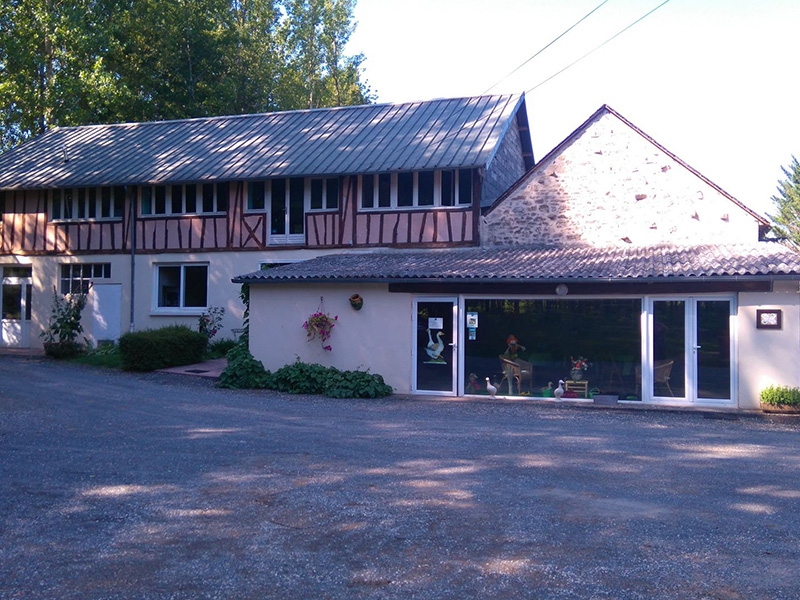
616, 35
574, 25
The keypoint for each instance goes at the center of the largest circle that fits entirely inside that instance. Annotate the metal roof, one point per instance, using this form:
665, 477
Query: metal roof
434, 134
530, 264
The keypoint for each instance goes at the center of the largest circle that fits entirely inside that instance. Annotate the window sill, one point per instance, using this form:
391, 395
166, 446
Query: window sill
412, 208
87, 220
176, 311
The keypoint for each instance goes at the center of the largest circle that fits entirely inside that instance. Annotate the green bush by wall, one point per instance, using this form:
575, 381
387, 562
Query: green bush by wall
781, 395
170, 346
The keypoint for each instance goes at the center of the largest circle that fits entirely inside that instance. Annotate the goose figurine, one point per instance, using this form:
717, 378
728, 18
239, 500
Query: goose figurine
434, 349
491, 388
559, 391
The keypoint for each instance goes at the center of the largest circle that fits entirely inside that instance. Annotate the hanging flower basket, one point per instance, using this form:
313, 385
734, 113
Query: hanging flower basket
320, 325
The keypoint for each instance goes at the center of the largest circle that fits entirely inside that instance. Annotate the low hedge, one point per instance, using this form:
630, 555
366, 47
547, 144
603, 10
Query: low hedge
244, 371
153, 349
781, 395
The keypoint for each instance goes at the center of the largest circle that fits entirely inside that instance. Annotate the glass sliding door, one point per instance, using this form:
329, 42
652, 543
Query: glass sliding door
713, 349
435, 346
666, 376
689, 353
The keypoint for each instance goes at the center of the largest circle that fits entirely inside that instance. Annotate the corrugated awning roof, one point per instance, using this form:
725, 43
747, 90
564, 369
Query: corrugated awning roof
530, 264
435, 134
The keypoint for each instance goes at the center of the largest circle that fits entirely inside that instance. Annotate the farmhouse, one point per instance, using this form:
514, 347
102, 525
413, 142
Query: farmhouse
611, 265
445, 253
154, 219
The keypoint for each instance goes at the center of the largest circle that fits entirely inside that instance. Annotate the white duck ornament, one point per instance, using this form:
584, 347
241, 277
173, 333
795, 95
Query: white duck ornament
559, 391
491, 388
434, 349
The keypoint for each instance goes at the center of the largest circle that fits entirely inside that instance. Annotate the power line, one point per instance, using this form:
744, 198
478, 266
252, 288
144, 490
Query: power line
572, 64
574, 25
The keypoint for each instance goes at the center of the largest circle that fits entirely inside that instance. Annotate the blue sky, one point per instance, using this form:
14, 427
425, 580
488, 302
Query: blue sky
711, 80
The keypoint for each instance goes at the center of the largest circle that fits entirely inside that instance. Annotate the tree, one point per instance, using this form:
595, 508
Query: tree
787, 219
105, 61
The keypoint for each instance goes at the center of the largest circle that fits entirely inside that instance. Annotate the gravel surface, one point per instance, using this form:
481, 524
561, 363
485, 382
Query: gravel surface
118, 485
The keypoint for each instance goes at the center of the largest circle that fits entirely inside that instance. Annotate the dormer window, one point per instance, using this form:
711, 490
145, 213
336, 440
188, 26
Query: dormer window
409, 190
87, 203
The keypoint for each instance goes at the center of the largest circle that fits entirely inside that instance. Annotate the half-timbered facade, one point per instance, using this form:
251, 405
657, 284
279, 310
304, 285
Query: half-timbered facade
611, 265
156, 218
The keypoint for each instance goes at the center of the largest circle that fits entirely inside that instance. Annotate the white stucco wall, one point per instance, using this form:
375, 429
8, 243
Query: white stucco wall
378, 337
767, 356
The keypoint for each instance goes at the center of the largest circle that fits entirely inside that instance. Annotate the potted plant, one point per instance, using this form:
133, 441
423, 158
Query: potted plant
579, 366
780, 399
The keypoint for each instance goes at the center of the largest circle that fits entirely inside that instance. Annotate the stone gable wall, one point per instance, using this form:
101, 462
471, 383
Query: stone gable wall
506, 167
613, 187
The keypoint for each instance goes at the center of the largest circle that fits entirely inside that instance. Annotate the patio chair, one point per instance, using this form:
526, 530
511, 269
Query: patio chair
661, 372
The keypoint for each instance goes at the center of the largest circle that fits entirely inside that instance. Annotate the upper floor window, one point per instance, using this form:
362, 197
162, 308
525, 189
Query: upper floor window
183, 199
451, 187
77, 277
311, 194
87, 203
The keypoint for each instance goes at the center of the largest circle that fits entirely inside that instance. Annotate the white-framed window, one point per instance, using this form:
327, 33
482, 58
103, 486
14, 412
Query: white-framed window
323, 193
77, 277
183, 199
87, 203
421, 189
285, 200
319, 193
181, 286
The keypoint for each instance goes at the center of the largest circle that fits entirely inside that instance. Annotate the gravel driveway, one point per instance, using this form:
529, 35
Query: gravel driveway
117, 485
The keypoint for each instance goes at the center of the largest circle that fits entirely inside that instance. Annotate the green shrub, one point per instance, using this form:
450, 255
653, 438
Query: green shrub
220, 348
300, 378
63, 349
356, 384
781, 395
304, 378
243, 371
169, 346
105, 355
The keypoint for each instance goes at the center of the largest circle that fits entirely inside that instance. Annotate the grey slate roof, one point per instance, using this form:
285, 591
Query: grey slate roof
530, 264
446, 133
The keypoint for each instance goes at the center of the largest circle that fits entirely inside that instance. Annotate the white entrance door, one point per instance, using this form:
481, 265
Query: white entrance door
689, 351
435, 350
105, 300
15, 306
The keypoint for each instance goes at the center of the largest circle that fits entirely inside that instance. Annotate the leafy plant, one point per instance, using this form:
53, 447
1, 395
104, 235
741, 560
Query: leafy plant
300, 378
305, 378
356, 384
61, 334
106, 355
220, 348
781, 395
243, 371
210, 323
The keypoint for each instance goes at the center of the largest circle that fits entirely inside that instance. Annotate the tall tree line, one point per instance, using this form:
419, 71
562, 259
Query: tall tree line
71, 62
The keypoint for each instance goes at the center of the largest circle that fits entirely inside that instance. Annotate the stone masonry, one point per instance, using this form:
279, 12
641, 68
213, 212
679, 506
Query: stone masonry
610, 185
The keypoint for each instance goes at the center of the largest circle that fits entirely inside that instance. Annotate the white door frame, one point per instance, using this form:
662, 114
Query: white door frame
453, 344
15, 333
690, 351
